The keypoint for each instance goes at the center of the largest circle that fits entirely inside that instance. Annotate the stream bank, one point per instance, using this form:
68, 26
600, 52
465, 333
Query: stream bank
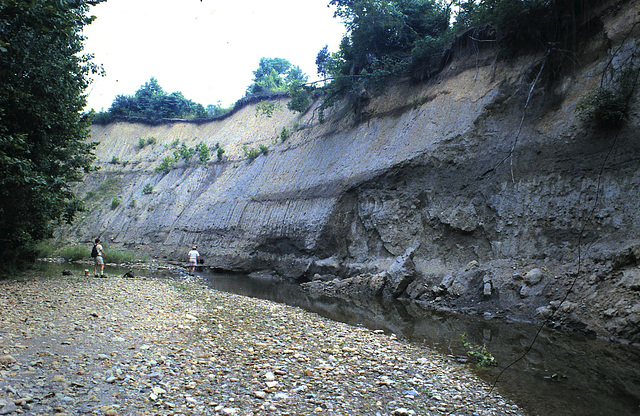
564, 373
118, 346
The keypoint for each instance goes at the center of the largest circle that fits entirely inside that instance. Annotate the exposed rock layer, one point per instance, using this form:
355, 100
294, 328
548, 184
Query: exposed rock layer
479, 190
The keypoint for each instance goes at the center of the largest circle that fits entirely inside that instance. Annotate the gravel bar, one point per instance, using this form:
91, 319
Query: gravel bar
140, 346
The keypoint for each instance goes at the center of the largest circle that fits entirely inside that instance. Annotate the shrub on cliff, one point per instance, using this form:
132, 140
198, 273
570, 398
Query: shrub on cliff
607, 105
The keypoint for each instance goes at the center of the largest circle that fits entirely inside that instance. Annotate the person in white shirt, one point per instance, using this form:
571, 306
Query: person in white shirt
194, 258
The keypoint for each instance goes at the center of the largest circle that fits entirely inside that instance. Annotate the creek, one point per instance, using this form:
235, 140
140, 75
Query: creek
562, 374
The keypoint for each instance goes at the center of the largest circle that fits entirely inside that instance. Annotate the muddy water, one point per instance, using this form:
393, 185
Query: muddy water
563, 374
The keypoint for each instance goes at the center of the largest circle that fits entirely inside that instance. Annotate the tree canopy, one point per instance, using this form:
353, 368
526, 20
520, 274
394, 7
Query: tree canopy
43, 129
151, 102
389, 39
275, 75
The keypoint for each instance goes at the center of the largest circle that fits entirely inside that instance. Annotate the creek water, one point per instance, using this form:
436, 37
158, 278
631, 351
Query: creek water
562, 373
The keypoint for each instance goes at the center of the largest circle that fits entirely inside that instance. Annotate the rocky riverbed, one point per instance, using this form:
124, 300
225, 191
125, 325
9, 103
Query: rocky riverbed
136, 346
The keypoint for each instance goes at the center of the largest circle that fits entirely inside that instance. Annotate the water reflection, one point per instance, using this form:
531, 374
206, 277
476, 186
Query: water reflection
563, 374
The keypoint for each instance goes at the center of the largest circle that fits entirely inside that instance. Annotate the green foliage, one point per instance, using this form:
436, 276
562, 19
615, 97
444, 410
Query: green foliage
392, 39
518, 24
166, 165
109, 186
607, 106
322, 60
115, 202
152, 102
185, 152
175, 143
284, 134
75, 252
43, 130
264, 149
142, 142
384, 41
118, 256
202, 150
217, 110
251, 154
115, 160
220, 153
267, 108
300, 95
148, 189
274, 75
385, 30
482, 355
72, 252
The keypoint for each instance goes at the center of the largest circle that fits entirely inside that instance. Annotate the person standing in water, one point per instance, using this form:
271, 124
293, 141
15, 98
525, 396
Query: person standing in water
98, 258
194, 258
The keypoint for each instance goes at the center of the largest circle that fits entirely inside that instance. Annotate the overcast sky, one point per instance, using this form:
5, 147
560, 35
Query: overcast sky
206, 49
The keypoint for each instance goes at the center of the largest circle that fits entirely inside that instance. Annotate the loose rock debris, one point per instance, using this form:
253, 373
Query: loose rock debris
76, 346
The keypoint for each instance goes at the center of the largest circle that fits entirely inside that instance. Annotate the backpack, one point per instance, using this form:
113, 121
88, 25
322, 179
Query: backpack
94, 251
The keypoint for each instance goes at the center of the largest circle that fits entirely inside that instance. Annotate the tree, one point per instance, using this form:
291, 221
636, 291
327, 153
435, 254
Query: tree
43, 129
152, 102
378, 31
322, 60
275, 75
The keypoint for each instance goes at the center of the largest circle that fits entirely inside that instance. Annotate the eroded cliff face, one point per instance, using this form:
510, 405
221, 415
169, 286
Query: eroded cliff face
480, 190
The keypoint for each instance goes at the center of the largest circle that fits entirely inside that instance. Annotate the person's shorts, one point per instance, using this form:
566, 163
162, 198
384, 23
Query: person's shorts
193, 262
99, 260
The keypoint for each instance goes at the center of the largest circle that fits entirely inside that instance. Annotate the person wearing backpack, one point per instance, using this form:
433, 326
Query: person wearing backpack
97, 252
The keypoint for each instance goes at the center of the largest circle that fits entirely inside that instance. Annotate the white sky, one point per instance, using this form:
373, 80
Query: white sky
205, 49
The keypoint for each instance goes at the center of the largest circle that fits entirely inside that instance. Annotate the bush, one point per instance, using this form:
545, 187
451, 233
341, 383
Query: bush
46, 248
202, 151
607, 106
115, 202
109, 186
115, 160
147, 189
141, 143
252, 153
267, 108
185, 152
73, 252
118, 255
220, 153
166, 165
284, 134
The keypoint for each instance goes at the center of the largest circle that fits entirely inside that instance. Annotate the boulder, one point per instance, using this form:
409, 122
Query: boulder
399, 275
533, 277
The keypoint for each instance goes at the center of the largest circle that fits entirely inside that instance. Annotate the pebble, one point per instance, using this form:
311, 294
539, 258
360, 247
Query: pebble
255, 357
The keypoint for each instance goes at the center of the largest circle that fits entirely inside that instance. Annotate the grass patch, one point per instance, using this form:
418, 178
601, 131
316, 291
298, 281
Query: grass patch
119, 255
75, 252
109, 186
